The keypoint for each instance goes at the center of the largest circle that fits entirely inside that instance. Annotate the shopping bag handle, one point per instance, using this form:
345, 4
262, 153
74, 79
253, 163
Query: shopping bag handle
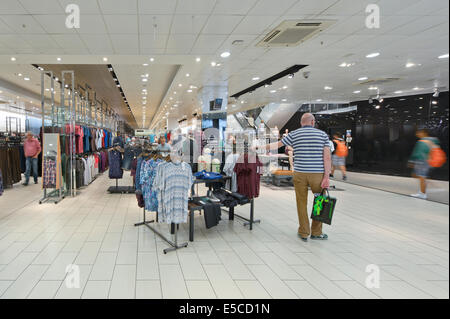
325, 190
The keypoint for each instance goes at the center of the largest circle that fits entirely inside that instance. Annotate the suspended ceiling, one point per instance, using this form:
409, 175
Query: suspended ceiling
411, 31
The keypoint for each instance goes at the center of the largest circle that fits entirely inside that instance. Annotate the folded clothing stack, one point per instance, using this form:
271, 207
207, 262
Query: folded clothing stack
230, 199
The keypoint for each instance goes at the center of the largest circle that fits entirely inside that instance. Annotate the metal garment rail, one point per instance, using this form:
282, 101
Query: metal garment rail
173, 230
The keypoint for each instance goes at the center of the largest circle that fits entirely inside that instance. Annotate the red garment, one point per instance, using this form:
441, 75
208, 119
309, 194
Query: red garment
248, 172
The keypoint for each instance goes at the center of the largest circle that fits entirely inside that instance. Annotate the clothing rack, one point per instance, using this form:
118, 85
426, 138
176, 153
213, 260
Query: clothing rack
173, 229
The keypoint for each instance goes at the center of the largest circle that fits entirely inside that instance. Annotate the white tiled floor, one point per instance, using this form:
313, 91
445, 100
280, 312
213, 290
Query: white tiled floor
407, 238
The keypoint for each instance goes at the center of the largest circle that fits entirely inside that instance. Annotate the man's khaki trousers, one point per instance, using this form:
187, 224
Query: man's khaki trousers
301, 183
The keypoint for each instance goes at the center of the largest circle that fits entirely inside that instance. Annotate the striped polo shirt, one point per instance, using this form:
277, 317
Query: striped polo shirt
308, 144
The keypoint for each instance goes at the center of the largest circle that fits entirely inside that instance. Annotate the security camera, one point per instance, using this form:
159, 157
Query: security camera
306, 74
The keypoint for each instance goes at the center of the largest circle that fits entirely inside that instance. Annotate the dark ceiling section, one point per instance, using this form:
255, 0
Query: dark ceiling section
99, 78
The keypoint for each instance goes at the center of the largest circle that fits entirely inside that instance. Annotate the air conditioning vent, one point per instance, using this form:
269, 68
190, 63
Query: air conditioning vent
309, 24
291, 33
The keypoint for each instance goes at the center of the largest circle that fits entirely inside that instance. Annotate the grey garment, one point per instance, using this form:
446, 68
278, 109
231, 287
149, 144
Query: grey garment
228, 169
338, 160
165, 149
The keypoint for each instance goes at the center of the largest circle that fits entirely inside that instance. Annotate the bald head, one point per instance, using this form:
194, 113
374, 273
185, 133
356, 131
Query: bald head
308, 119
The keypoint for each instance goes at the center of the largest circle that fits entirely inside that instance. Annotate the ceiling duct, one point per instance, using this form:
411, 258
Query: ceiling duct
291, 33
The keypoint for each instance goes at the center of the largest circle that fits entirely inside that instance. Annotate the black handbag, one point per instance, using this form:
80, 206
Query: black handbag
323, 207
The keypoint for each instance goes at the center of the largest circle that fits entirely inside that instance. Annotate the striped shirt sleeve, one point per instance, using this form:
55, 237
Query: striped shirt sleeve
326, 141
287, 140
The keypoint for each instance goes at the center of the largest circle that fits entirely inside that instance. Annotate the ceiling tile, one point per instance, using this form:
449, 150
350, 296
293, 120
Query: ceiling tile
147, 22
209, 41
4, 29
187, 24
68, 41
54, 24
92, 24
195, 6
390, 7
221, 24
418, 25
178, 51
11, 7
311, 6
14, 42
126, 50
16, 23
118, 6
86, 6
96, 41
180, 41
149, 41
156, 51
40, 41
124, 40
348, 7
424, 7
42, 6
263, 7
255, 25
121, 24
233, 6
156, 6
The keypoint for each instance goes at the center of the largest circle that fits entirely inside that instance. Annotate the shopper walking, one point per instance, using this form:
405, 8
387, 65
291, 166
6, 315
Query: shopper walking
32, 149
312, 165
339, 155
419, 160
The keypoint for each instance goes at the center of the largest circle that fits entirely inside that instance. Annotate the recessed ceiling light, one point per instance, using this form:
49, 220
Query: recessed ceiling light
283, 100
416, 88
20, 74
58, 59
189, 91
256, 78
285, 87
372, 55
213, 63
410, 65
13, 59
273, 91
356, 92
180, 85
328, 88
398, 92
152, 59
144, 80
444, 56
105, 59
373, 88
225, 54
242, 102
145, 64
319, 100
188, 75
363, 78
198, 60
47, 90
26, 79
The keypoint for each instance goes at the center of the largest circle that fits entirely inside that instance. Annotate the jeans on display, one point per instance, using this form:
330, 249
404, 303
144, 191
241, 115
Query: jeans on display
301, 183
31, 163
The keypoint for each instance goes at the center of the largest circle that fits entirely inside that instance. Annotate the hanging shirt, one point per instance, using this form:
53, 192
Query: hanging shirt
146, 178
248, 172
228, 168
173, 182
115, 163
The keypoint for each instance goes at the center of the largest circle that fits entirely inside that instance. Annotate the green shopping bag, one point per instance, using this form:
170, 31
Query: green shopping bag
323, 207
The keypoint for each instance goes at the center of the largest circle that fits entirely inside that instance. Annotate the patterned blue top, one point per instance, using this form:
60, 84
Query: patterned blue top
146, 178
308, 144
173, 182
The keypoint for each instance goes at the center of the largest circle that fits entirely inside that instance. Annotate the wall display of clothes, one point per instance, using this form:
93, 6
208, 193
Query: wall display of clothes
87, 139
10, 162
94, 164
164, 187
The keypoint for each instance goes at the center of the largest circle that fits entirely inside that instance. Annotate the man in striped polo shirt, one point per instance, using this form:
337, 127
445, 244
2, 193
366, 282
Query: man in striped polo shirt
312, 166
